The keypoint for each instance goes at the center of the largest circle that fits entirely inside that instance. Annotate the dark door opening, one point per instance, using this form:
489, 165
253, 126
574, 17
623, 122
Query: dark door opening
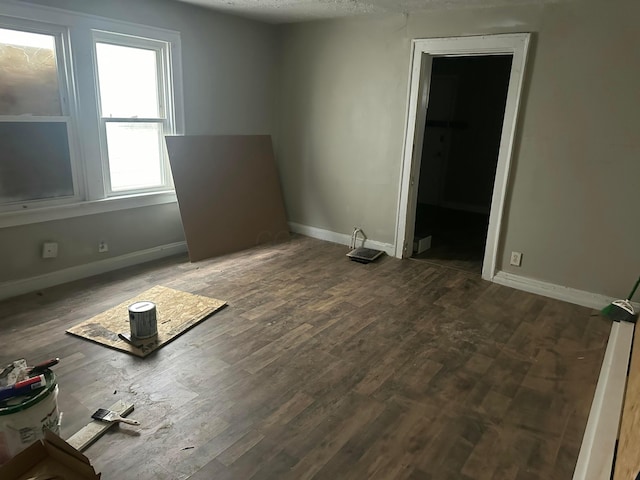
467, 97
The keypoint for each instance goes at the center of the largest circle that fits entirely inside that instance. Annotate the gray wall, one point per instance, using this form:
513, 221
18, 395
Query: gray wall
343, 98
343, 105
574, 189
229, 74
125, 231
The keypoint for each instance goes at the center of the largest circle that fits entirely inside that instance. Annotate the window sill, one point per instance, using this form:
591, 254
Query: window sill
60, 212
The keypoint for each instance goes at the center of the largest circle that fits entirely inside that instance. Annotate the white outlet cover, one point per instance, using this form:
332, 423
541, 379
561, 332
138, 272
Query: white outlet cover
516, 259
49, 250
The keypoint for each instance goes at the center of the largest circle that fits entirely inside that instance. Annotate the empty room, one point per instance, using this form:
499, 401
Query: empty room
295, 239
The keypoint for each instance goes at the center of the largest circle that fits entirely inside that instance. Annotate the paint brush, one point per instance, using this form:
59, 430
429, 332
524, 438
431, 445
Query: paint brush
105, 415
127, 338
42, 367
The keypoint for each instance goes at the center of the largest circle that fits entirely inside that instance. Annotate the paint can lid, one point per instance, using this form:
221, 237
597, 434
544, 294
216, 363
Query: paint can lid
144, 306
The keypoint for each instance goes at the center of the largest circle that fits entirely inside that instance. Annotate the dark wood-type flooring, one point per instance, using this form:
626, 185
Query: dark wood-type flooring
458, 237
325, 368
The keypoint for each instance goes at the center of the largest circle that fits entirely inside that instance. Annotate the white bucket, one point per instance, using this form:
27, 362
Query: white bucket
23, 420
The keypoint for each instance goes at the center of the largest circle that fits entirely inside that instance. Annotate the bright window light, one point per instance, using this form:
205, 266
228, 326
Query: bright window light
134, 153
36, 163
28, 74
19, 38
128, 81
130, 89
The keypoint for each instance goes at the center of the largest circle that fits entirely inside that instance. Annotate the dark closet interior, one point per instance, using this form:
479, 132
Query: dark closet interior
467, 98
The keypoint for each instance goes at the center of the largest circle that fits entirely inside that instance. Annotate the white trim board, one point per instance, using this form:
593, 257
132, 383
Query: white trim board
423, 52
595, 459
551, 290
341, 238
79, 209
26, 285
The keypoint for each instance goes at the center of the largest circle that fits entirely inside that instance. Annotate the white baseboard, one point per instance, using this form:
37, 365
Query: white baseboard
595, 460
341, 238
551, 290
26, 285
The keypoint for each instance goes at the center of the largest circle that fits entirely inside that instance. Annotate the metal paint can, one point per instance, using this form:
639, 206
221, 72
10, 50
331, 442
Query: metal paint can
142, 319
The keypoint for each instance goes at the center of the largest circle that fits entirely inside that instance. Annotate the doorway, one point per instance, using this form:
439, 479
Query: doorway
460, 146
425, 52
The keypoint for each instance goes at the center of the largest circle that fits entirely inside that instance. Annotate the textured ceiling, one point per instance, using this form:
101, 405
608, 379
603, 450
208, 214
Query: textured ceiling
283, 11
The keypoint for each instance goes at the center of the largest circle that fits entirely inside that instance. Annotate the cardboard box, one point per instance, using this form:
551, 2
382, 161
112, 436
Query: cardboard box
49, 458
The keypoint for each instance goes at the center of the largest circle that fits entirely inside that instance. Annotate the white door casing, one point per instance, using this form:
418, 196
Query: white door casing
421, 59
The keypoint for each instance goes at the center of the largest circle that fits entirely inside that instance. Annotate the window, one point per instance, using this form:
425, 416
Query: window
29, 74
36, 156
85, 103
133, 101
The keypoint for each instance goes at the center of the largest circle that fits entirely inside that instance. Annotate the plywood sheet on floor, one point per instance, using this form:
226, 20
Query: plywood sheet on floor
177, 312
228, 192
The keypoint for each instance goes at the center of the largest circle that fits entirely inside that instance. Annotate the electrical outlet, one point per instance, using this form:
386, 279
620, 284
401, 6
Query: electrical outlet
103, 246
516, 259
49, 250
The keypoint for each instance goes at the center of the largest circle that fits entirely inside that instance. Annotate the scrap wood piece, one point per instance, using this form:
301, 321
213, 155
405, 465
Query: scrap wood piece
228, 192
627, 464
94, 430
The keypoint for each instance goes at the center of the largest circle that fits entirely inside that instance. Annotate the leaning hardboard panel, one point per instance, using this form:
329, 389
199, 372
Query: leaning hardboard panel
228, 192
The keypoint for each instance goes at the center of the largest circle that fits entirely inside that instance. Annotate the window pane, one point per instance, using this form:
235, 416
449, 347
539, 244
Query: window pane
34, 161
135, 157
28, 74
128, 81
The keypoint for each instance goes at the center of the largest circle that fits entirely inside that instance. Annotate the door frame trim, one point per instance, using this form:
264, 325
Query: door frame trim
423, 51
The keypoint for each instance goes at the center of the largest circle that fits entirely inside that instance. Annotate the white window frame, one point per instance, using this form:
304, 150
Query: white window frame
166, 119
68, 109
76, 32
